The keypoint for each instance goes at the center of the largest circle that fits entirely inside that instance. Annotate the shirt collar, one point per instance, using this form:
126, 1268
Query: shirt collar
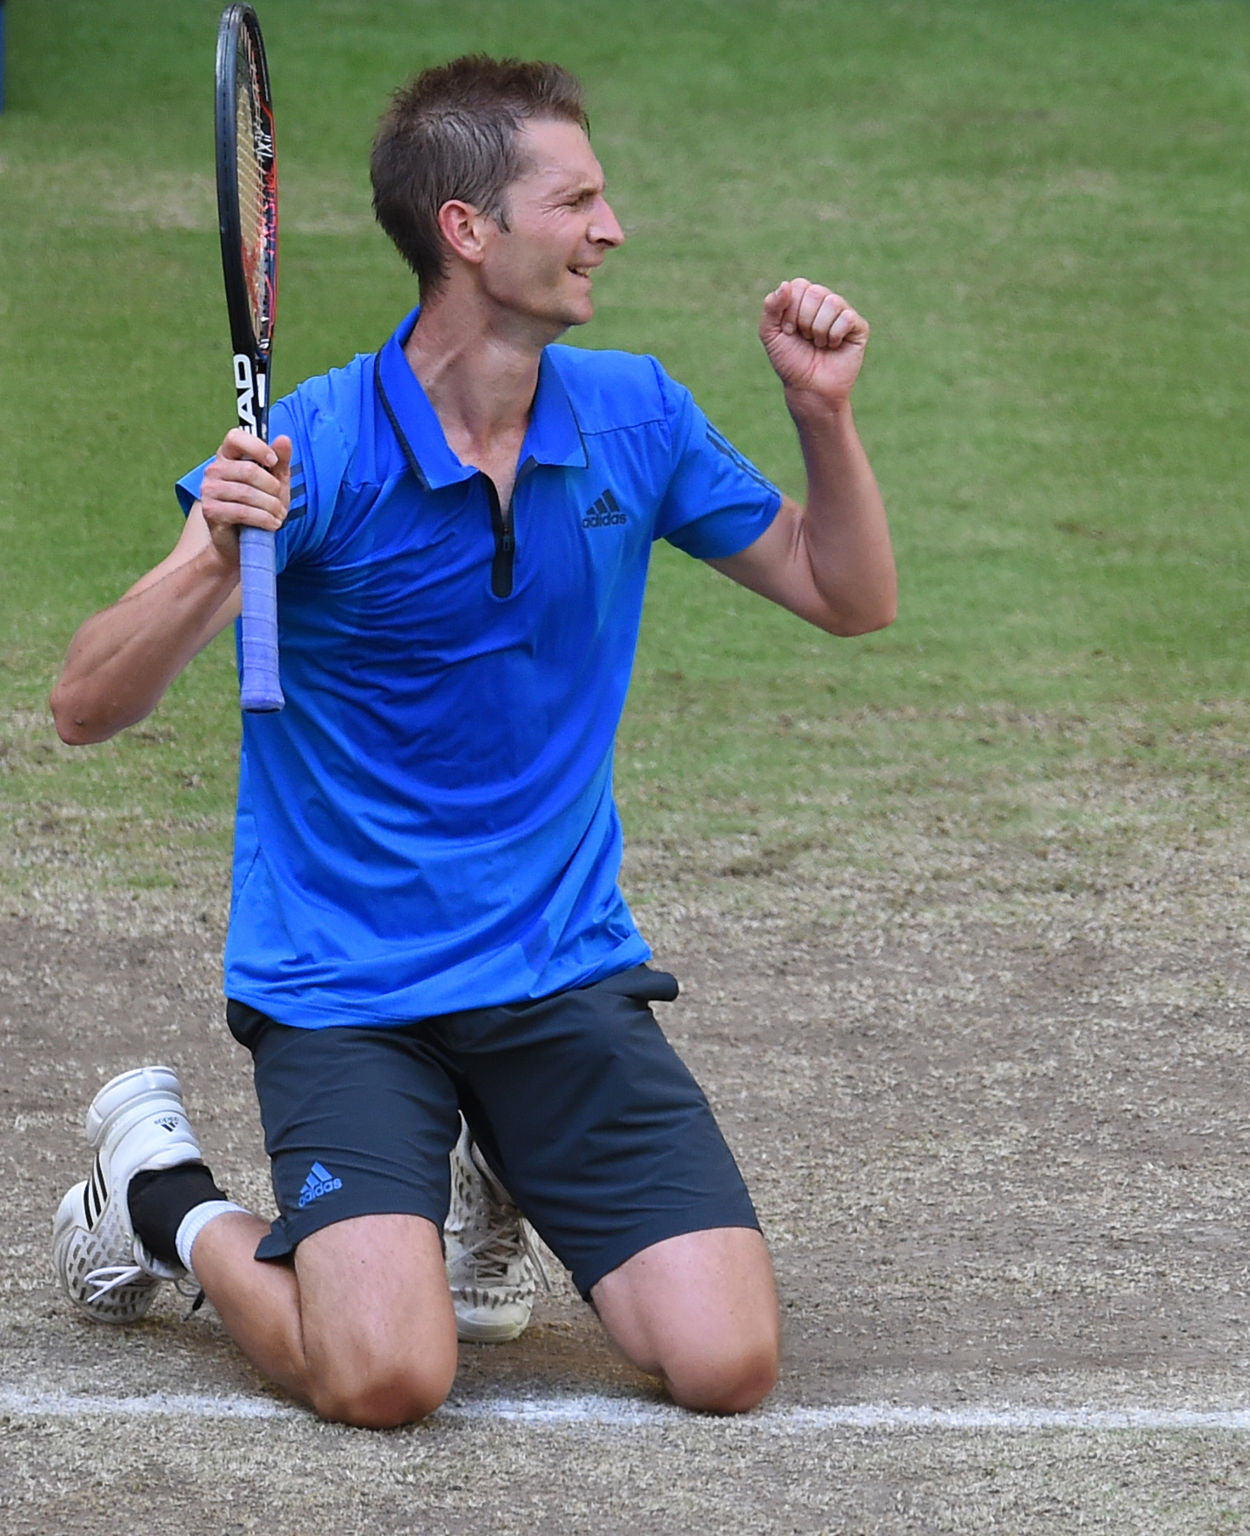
552, 437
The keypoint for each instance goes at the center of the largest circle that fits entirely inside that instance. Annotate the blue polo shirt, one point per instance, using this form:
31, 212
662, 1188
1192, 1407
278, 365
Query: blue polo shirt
428, 825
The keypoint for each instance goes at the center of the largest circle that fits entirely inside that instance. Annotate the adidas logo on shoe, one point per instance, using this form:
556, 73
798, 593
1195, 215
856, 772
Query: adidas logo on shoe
604, 513
320, 1181
169, 1123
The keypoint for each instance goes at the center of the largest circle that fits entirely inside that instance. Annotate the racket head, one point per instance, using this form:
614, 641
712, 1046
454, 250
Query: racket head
247, 183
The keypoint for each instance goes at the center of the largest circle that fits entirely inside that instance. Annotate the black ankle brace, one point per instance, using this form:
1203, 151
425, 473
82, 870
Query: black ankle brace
158, 1200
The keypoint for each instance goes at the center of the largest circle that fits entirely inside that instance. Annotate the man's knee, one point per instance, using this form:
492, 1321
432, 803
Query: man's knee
378, 1331
732, 1379
700, 1311
380, 1394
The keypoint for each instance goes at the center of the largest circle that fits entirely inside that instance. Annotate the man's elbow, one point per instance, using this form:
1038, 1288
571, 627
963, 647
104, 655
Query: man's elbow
73, 723
73, 732
862, 619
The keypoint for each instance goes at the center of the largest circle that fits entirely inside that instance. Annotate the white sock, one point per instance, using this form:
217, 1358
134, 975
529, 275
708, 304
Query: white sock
194, 1222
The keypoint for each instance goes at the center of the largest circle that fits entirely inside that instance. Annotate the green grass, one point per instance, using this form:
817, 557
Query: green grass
1041, 206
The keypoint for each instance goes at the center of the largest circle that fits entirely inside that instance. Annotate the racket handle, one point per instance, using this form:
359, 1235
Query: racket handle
261, 691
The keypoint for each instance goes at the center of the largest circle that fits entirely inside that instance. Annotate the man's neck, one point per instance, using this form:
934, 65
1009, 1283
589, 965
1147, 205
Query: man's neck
479, 378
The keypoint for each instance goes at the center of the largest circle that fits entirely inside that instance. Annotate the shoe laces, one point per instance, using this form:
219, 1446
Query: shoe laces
497, 1232
494, 1252
111, 1277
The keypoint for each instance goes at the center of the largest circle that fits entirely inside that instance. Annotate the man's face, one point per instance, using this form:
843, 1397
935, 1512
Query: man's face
560, 227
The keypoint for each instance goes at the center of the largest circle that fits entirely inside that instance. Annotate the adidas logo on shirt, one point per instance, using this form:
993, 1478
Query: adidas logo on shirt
320, 1181
604, 513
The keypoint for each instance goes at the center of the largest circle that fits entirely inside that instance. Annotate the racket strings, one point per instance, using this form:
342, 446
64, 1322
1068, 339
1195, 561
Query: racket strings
257, 193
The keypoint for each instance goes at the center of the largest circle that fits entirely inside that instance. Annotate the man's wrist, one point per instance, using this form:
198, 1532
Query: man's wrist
809, 408
220, 565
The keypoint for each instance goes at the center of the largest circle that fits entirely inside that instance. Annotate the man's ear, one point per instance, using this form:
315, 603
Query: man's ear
464, 228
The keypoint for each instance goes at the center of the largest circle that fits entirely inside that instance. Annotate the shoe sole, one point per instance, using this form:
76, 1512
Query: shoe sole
471, 1331
73, 1205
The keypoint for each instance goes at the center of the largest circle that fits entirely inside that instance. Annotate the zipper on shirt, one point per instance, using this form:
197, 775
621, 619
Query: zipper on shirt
501, 567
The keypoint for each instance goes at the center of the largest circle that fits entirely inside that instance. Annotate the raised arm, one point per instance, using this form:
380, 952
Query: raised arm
829, 561
123, 658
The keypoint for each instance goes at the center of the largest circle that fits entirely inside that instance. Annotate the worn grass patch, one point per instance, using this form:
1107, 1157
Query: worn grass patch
1037, 206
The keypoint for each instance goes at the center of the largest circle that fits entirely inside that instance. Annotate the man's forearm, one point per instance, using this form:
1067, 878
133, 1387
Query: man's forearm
844, 527
122, 659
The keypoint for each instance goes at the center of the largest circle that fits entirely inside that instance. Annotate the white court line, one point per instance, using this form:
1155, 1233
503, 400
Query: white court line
630, 1413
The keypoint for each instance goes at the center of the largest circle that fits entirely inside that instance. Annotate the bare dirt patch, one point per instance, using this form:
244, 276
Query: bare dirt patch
991, 1106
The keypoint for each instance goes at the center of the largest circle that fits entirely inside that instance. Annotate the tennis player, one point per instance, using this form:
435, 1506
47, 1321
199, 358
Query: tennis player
426, 919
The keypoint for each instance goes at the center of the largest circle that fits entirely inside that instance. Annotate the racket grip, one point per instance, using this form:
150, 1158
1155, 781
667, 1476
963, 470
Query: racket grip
260, 692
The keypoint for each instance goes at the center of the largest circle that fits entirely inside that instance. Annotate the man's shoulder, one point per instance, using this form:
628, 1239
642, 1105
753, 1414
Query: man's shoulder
329, 417
336, 395
613, 390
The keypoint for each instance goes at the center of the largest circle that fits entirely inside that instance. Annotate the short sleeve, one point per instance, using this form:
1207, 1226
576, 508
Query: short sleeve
318, 459
717, 502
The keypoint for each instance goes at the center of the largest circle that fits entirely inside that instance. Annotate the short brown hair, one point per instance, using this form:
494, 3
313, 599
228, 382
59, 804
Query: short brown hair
452, 133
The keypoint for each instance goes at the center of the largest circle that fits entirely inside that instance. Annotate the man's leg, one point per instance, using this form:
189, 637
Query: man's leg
360, 1327
628, 1179
358, 1323
699, 1311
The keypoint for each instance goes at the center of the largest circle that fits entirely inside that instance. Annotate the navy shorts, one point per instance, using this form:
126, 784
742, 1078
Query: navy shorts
580, 1104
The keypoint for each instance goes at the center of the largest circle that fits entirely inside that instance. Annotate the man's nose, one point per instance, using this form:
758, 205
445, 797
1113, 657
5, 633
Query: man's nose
604, 229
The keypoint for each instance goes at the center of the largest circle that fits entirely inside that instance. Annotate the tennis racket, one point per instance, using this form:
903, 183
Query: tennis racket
247, 211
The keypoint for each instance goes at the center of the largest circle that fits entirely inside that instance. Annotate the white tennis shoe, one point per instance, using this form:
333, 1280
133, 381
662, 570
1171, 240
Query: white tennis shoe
492, 1264
136, 1122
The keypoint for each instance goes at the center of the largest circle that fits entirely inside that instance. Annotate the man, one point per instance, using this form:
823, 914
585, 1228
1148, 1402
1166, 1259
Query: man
426, 919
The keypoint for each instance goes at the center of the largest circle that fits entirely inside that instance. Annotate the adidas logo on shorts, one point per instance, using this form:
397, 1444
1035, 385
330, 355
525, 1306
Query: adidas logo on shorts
320, 1181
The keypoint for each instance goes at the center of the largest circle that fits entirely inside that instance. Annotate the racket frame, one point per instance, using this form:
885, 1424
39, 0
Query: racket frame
251, 309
